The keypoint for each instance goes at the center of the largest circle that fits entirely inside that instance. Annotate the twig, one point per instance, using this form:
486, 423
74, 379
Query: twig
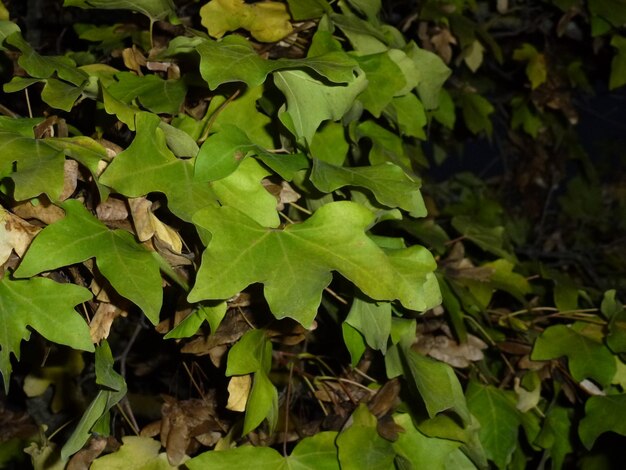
215, 114
287, 405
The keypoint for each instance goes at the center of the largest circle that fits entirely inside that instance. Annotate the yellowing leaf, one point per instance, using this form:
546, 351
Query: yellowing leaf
266, 21
136, 453
238, 391
536, 70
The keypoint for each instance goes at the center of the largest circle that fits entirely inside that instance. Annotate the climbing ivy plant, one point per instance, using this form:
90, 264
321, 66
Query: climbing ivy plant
240, 187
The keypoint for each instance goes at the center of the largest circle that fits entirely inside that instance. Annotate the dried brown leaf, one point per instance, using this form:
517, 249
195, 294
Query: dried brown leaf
15, 234
112, 209
43, 210
443, 41
100, 325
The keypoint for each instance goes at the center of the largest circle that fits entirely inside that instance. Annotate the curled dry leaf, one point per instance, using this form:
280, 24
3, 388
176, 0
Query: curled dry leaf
100, 325
446, 349
238, 391
41, 209
112, 209
15, 234
185, 425
70, 178
83, 459
147, 225
442, 41
133, 59
283, 193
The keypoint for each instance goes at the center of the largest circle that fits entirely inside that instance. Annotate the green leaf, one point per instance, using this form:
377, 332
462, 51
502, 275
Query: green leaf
222, 153
499, 421
7, 28
96, 413
317, 452
490, 239
408, 115
386, 146
307, 9
250, 354
132, 270
364, 36
262, 404
136, 453
373, 320
360, 445
603, 414
153, 9
60, 94
618, 65
536, 70
434, 382
433, 74
311, 101
211, 313
385, 80
329, 144
44, 67
233, 59
47, 307
294, 264
354, 341
420, 450
266, 21
587, 358
387, 182
555, 434
476, 112
154, 93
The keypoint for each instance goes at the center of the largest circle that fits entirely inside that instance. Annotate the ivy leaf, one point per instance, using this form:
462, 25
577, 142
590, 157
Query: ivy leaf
132, 270
148, 165
433, 72
387, 182
433, 381
536, 69
373, 320
385, 80
360, 446
266, 21
311, 101
317, 452
154, 93
386, 145
422, 451
499, 421
153, 9
294, 264
223, 151
44, 305
233, 59
408, 115
618, 65
262, 404
603, 414
587, 358
39, 66
554, 435
476, 112
307, 9
39, 163
136, 452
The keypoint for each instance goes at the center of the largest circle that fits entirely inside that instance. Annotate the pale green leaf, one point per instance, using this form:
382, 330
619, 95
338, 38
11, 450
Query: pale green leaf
132, 270
360, 445
387, 146
262, 404
587, 358
311, 101
420, 450
233, 59
153, 9
39, 66
316, 452
266, 21
373, 320
60, 94
354, 341
307, 9
189, 326
603, 414
250, 354
136, 453
329, 144
434, 382
6, 29
387, 182
153, 92
408, 115
294, 264
536, 69
433, 74
47, 307
499, 421
385, 80
364, 36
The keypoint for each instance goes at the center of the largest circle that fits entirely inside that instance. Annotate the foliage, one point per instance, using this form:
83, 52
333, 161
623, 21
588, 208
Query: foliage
236, 206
